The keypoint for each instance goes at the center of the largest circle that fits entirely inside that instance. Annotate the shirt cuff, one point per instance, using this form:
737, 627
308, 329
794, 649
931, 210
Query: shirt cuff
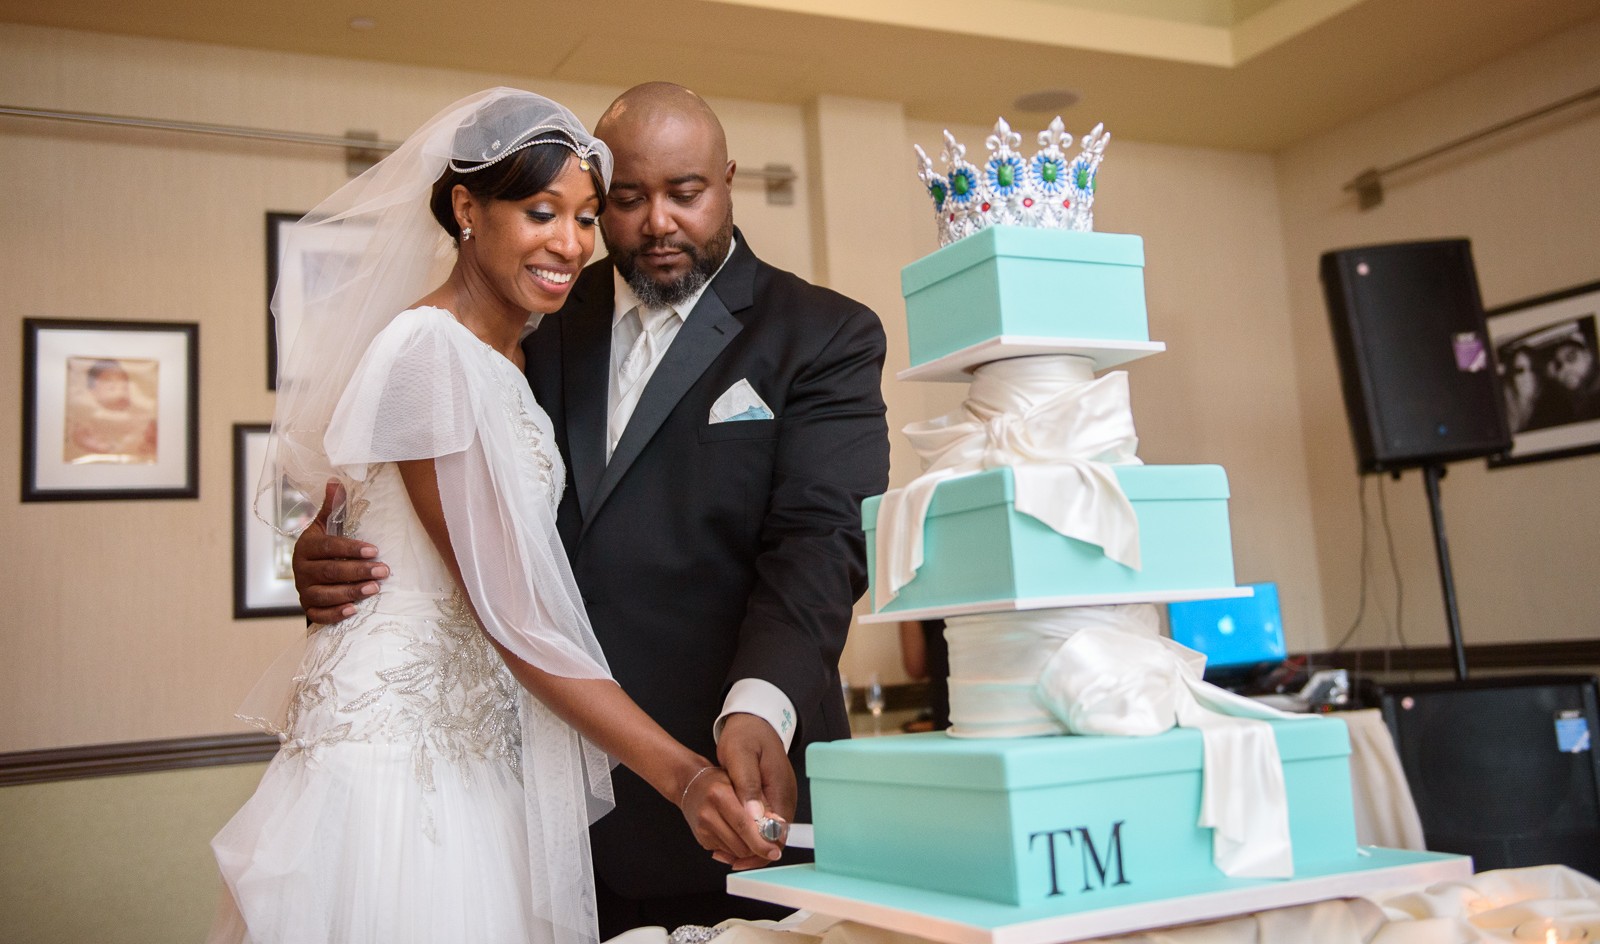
763, 699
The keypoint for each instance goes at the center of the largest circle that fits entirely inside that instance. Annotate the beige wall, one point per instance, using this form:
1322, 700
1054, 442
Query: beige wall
120, 625
115, 859
1523, 540
119, 622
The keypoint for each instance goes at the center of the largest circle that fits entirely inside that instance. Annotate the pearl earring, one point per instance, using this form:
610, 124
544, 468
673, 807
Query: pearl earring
466, 234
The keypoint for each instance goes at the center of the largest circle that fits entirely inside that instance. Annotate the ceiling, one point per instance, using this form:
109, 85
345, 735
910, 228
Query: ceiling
1249, 74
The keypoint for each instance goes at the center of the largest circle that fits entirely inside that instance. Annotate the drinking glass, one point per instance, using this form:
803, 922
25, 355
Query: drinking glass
875, 703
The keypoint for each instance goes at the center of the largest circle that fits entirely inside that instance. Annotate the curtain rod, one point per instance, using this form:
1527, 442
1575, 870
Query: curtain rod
192, 127
777, 176
1368, 185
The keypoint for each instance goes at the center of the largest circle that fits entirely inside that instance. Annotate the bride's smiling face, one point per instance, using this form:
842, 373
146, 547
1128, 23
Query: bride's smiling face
529, 251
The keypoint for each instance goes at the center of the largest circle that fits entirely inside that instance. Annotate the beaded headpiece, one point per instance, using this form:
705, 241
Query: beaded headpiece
1046, 191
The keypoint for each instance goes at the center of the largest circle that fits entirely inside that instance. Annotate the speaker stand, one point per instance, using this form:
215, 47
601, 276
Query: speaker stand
1431, 474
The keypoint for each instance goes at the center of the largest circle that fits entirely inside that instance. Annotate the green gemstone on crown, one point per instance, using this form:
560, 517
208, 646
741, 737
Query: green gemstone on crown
1005, 175
1049, 172
960, 185
938, 193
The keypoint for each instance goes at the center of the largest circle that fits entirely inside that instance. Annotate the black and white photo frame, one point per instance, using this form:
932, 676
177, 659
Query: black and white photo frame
1547, 356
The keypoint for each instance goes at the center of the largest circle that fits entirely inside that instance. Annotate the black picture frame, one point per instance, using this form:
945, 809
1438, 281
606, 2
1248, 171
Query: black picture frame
110, 410
1547, 356
300, 272
262, 584
278, 224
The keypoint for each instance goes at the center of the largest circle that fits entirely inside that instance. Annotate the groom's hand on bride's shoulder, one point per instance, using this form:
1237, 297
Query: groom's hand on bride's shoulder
331, 574
759, 770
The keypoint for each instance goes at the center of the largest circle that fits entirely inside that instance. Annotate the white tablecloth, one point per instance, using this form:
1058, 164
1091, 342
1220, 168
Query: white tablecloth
1386, 815
1492, 907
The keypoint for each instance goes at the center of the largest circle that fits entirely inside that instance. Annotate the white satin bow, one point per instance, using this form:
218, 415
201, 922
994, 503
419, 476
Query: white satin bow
1108, 671
1057, 427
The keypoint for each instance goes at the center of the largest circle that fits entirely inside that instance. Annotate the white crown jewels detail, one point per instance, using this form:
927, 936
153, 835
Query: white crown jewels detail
1047, 191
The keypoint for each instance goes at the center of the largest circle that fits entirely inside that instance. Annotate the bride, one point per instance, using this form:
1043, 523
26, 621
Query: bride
445, 748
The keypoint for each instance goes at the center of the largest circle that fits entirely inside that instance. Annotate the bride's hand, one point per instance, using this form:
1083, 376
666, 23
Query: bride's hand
721, 823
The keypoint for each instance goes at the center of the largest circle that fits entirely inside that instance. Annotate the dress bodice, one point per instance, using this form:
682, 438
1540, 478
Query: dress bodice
412, 665
379, 511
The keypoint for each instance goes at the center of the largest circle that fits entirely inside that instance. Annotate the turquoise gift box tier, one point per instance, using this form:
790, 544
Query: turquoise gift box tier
1029, 821
1018, 281
977, 548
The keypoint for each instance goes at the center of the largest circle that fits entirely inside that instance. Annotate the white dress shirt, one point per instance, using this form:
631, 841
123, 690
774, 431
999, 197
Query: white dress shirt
751, 696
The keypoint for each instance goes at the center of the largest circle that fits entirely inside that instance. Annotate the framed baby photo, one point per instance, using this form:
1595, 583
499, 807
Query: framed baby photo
110, 410
1548, 362
297, 273
263, 576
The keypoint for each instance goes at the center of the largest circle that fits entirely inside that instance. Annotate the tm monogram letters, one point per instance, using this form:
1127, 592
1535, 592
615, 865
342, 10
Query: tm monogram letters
1094, 869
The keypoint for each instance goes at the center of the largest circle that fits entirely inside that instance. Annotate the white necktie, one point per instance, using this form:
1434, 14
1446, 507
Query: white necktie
635, 367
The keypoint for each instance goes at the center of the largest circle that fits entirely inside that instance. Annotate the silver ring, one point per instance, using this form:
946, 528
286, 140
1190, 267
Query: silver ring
772, 829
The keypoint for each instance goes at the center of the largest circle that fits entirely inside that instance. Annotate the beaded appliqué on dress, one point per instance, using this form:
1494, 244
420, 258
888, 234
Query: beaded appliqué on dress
354, 512
452, 700
546, 475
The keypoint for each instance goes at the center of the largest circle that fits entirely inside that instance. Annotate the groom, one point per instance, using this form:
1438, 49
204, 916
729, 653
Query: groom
721, 421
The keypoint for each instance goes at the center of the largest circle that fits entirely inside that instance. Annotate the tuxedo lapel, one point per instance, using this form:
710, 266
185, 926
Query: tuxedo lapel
586, 377
707, 330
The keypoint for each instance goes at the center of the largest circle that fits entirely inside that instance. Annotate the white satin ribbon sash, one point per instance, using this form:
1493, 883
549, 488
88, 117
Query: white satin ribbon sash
1108, 671
1057, 427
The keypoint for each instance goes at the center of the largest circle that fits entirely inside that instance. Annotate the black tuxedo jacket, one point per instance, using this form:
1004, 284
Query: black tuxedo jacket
707, 553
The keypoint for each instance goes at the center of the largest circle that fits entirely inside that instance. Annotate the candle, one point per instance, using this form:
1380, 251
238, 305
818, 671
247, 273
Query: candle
1550, 931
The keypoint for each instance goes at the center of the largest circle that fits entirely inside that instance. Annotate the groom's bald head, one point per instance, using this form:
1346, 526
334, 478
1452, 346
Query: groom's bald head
653, 104
668, 220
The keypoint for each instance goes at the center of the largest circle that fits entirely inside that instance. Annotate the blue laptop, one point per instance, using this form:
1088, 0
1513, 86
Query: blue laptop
1241, 637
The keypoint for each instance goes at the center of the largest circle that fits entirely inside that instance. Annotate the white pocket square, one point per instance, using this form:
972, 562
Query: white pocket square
739, 402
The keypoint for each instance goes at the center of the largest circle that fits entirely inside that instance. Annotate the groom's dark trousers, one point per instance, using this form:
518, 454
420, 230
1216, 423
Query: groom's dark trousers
711, 552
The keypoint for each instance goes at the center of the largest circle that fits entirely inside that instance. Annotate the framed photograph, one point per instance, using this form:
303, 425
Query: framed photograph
277, 230
297, 276
263, 579
1548, 361
110, 410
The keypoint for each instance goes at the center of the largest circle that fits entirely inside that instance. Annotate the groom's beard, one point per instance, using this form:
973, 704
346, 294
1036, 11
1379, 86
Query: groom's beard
703, 264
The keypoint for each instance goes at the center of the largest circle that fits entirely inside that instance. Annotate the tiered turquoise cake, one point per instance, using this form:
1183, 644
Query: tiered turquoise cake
1034, 839
1068, 292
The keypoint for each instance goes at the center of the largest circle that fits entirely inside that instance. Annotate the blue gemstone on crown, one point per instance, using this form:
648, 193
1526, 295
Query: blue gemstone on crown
1046, 191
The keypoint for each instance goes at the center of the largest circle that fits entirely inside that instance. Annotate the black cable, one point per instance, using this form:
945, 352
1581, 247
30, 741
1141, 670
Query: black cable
1399, 584
1361, 603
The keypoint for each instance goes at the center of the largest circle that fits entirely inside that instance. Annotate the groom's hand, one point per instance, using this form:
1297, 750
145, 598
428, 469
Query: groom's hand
332, 573
763, 779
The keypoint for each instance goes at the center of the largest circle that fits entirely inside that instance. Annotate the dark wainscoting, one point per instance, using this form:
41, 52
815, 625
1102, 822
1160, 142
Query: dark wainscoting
134, 757
1557, 655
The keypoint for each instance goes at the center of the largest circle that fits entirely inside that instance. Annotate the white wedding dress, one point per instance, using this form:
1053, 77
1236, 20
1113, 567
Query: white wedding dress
401, 804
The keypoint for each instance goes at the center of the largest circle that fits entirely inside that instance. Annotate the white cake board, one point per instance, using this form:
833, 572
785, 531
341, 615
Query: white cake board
957, 367
950, 919
1044, 603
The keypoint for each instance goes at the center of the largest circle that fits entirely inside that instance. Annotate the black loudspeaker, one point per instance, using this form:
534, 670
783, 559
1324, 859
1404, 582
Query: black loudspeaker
1414, 359
1503, 769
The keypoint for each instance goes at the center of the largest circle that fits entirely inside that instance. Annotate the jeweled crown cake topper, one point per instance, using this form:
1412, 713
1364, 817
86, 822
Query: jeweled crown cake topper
1047, 191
